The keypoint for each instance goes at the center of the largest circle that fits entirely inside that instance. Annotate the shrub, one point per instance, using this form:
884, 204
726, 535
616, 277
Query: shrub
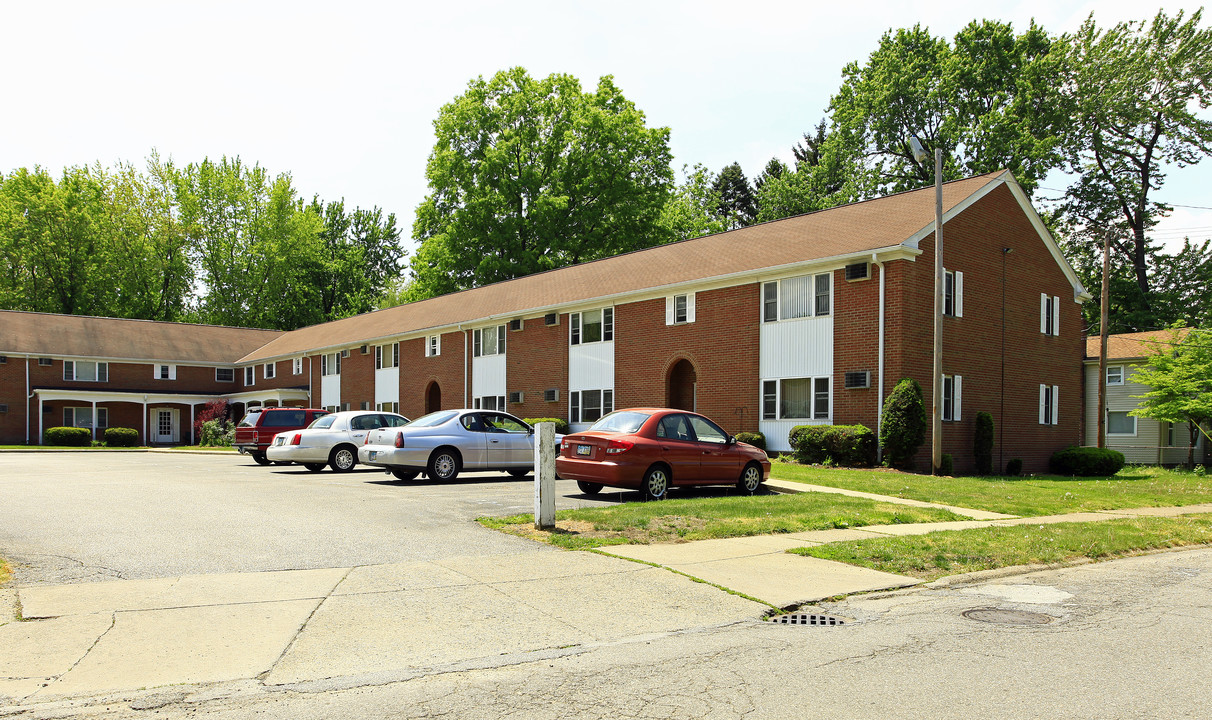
213, 410
946, 467
68, 436
982, 444
755, 439
1087, 461
121, 437
217, 433
904, 423
849, 445
561, 425
1014, 468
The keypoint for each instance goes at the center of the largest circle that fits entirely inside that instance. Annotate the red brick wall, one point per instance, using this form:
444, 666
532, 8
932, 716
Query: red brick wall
856, 346
358, 378
536, 358
418, 371
722, 344
12, 393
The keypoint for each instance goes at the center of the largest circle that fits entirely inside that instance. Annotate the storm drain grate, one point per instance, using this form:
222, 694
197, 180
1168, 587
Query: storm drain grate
807, 619
1003, 616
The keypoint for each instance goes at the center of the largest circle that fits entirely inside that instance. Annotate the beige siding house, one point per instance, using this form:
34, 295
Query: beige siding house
1141, 440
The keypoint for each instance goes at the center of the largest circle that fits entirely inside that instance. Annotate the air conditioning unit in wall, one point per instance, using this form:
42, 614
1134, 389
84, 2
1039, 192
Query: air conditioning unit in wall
344, 353
3, 359
515, 324
551, 319
3, 407
860, 379
515, 397
858, 271
551, 395
365, 349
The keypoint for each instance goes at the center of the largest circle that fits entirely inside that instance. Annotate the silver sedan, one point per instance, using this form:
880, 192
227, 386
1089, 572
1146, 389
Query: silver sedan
441, 444
331, 440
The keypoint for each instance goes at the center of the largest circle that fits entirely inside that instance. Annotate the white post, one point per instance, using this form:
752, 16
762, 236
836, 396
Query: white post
544, 476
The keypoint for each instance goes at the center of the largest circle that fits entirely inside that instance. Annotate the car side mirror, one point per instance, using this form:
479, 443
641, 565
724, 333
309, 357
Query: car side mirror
731, 440
529, 430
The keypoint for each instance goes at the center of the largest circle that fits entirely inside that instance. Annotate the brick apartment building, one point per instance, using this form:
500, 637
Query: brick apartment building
807, 320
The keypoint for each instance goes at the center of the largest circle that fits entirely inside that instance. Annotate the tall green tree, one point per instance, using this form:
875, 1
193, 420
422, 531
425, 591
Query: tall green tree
1179, 377
532, 174
360, 255
692, 209
737, 207
1132, 93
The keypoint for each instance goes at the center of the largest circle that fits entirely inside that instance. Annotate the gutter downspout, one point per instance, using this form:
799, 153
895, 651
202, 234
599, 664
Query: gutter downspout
309, 381
466, 364
879, 403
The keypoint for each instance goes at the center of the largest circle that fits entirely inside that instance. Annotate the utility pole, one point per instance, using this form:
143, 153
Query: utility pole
936, 380
1104, 314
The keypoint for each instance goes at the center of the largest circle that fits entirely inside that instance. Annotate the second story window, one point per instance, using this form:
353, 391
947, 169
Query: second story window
488, 341
387, 356
85, 371
250, 376
225, 375
433, 346
269, 370
330, 364
166, 372
1049, 314
953, 293
1115, 374
296, 366
591, 326
679, 309
797, 297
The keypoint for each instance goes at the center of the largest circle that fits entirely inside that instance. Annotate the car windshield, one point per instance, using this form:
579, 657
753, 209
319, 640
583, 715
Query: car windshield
623, 421
284, 418
324, 421
249, 420
433, 419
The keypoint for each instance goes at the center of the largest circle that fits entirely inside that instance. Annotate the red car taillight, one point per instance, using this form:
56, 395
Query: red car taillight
614, 447
256, 437
399, 440
295, 440
367, 440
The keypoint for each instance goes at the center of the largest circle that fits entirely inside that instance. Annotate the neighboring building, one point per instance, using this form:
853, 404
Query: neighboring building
1141, 440
806, 320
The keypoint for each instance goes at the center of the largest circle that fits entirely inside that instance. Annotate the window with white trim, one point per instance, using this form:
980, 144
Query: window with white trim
591, 326
1115, 374
1048, 405
1120, 423
296, 366
953, 293
796, 399
797, 297
1049, 314
489, 402
84, 371
586, 406
433, 346
250, 376
387, 356
679, 309
269, 370
165, 372
952, 396
225, 374
488, 341
83, 417
330, 364
391, 407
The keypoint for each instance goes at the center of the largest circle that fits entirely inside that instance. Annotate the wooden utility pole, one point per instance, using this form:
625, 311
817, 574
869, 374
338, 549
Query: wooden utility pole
1103, 316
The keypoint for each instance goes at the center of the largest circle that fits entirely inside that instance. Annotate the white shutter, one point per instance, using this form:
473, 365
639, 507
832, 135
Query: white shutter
1043, 400
670, 309
959, 385
959, 312
1055, 404
689, 307
1043, 313
1056, 315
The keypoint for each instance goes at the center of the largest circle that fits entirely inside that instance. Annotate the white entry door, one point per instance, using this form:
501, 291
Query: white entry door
167, 428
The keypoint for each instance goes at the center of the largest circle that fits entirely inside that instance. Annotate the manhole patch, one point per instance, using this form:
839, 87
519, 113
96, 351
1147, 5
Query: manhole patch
1005, 616
815, 619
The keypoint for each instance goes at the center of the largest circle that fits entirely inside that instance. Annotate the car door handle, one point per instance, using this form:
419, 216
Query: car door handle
494, 441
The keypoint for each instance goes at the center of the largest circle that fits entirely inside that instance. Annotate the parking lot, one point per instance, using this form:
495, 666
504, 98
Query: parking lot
86, 516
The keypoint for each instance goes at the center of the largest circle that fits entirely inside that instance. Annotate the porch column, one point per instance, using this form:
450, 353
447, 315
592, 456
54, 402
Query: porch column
145, 442
192, 439
40, 437
94, 420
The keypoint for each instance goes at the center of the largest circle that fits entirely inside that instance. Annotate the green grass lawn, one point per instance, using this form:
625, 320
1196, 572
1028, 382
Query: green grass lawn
1134, 486
702, 518
212, 448
956, 552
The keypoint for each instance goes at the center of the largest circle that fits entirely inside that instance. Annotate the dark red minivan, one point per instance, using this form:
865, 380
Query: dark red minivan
258, 427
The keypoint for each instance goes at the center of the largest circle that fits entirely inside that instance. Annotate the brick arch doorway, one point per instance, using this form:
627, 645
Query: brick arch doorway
681, 386
433, 398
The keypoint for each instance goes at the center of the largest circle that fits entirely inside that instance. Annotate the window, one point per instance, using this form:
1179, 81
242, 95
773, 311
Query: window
83, 417
330, 364
679, 309
586, 406
433, 346
387, 356
490, 402
269, 370
797, 297
296, 366
1049, 314
225, 374
391, 407
488, 341
591, 326
1120, 423
953, 293
1115, 374
1048, 406
796, 399
364, 405
85, 371
44, 362
706, 431
165, 372
952, 394
250, 376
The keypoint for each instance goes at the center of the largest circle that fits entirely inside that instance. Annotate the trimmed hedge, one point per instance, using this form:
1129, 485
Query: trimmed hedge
1087, 462
561, 425
904, 423
121, 437
68, 437
755, 439
946, 466
848, 445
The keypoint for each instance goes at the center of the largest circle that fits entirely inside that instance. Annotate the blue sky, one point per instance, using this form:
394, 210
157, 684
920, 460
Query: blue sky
343, 95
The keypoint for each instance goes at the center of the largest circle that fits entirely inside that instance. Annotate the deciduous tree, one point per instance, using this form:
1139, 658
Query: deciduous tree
1179, 377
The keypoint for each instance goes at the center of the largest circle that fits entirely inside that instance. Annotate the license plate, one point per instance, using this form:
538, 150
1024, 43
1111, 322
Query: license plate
372, 454
584, 449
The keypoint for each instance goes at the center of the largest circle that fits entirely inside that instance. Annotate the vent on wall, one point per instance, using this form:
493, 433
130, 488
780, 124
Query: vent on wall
515, 397
3, 407
45, 362
551, 395
515, 324
857, 271
860, 379
344, 353
3, 359
365, 351
551, 319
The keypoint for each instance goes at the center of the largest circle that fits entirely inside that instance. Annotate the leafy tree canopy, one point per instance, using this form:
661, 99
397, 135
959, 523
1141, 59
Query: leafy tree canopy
1179, 377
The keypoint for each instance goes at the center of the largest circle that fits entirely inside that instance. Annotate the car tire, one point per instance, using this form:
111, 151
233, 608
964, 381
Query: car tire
655, 485
402, 474
343, 458
258, 457
444, 464
751, 479
589, 488
314, 467
518, 472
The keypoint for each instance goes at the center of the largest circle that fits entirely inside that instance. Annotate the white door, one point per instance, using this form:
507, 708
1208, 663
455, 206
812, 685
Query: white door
166, 426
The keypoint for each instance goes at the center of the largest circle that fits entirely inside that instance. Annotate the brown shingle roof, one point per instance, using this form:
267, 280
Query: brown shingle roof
1129, 346
48, 335
846, 230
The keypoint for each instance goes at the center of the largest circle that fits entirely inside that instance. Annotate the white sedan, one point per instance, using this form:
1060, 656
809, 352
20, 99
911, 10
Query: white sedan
331, 440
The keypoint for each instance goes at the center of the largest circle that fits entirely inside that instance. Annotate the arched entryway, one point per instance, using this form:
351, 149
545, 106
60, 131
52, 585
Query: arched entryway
680, 386
433, 398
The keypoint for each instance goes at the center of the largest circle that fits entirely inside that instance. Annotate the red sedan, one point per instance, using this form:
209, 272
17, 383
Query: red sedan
653, 449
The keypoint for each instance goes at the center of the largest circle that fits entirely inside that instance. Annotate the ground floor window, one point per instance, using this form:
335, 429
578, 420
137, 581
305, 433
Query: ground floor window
586, 406
796, 399
1120, 423
490, 402
392, 407
83, 417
